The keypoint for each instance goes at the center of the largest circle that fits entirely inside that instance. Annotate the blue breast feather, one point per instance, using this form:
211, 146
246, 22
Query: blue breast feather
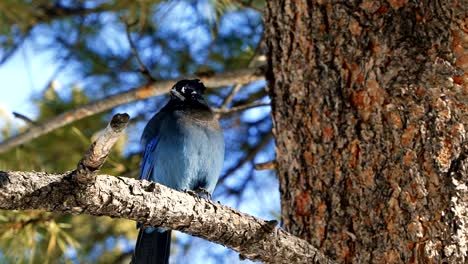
184, 154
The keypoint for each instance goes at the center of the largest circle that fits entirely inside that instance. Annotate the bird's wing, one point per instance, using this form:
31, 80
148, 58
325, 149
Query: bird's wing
150, 140
147, 164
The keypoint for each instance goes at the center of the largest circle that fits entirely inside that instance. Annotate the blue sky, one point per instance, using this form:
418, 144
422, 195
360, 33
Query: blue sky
24, 74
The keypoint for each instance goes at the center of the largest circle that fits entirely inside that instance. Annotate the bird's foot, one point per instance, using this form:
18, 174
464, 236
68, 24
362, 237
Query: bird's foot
203, 193
199, 193
192, 193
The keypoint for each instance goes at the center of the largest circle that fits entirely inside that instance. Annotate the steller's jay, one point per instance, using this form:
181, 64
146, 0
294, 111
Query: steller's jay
184, 150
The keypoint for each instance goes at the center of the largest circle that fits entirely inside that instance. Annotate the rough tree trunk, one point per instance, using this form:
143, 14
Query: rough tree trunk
370, 108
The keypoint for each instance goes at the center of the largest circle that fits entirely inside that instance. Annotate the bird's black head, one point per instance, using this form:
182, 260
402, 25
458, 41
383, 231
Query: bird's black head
188, 91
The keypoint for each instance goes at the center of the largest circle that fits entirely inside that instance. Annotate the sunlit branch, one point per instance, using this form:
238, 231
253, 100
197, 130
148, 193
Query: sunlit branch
97, 154
270, 165
156, 205
239, 108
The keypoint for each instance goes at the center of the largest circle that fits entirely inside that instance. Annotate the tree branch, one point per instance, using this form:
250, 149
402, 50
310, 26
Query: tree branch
270, 165
24, 118
142, 67
251, 153
157, 88
225, 111
97, 154
156, 205
230, 96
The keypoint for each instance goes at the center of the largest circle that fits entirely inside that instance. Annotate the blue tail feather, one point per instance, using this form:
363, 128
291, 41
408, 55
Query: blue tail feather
152, 247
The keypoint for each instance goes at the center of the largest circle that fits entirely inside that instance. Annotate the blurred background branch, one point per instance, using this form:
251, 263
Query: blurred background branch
112, 101
143, 69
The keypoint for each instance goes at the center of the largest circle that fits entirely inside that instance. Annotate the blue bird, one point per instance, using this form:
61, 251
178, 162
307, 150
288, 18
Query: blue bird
184, 150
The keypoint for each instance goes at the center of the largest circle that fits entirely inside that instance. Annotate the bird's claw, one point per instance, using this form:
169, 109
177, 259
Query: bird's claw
203, 193
192, 193
199, 193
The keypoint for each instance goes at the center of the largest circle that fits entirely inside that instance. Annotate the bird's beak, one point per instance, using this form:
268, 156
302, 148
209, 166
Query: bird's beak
178, 95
